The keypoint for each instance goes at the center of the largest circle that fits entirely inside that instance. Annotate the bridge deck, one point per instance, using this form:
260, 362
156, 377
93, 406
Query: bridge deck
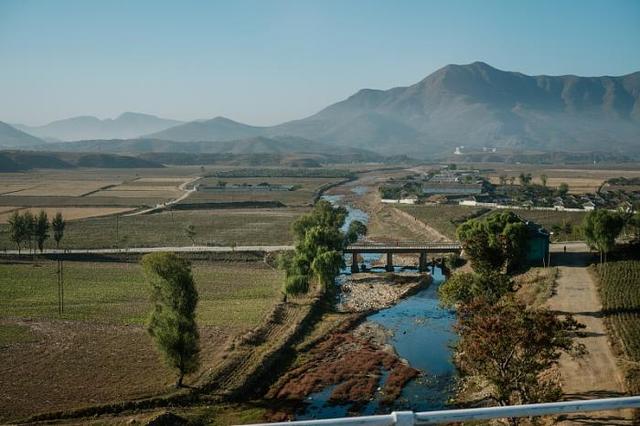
404, 248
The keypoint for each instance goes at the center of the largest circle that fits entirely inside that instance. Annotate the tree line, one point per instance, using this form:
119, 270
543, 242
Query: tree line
505, 345
32, 230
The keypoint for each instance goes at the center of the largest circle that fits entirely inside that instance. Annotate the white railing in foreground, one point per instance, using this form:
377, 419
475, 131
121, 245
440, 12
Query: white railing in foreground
409, 418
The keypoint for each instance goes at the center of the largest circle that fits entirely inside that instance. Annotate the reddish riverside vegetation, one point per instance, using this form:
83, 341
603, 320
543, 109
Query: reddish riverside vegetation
353, 364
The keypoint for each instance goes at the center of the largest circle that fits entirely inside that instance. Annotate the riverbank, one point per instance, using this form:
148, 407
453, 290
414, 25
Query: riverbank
369, 292
346, 361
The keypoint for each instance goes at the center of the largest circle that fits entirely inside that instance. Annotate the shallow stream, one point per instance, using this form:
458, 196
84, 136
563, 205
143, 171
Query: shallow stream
420, 332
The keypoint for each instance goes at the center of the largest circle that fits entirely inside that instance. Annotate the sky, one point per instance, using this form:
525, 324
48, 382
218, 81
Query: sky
267, 61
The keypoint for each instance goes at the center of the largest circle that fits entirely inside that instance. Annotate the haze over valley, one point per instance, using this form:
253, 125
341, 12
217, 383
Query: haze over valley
472, 105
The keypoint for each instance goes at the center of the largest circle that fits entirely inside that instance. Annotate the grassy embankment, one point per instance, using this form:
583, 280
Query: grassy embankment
98, 351
619, 285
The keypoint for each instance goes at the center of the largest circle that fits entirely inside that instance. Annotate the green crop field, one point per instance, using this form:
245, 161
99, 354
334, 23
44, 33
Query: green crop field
620, 295
98, 350
213, 227
231, 294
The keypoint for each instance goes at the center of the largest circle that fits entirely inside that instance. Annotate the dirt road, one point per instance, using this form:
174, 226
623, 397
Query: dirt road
386, 223
597, 374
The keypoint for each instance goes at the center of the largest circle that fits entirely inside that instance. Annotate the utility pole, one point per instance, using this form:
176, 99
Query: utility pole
60, 275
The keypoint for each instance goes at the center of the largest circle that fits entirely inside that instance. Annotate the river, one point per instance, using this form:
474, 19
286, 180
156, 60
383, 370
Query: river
420, 331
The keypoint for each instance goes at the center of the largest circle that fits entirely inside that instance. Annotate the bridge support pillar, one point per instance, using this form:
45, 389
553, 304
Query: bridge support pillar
354, 263
389, 266
423, 262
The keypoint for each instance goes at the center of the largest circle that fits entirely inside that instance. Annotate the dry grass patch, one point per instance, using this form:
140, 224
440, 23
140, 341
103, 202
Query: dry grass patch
536, 286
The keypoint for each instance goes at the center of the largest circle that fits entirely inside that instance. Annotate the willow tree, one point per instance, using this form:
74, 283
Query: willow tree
172, 323
319, 242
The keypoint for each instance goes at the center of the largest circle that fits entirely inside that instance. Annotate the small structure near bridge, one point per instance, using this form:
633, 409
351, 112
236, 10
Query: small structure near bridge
423, 249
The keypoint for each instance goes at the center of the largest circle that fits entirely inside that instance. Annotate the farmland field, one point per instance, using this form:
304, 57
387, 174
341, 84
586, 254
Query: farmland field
93, 187
301, 195
69, 213
98, 350
583, 180
620, 295
446, 217
213, 227
568, 221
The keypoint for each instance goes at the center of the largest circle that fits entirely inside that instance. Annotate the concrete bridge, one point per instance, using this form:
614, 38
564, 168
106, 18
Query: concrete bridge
401, 248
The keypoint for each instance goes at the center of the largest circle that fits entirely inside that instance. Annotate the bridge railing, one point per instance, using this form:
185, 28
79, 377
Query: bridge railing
409, 418
405, 244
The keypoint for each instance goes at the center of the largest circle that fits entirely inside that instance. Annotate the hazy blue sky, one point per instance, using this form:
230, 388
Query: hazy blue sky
264, 62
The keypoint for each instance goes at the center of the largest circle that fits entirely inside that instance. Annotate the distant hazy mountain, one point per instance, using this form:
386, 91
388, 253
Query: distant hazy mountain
216, 129
13, 161
254, 145
472, 105
126, 125
10, 137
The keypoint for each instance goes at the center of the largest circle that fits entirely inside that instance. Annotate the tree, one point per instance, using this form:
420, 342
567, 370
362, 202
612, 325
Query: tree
511, 347
319, 242
543, 179
41, 229
600, 229
495, 242
503, 180
525, 179
634, 224
17, 229
355, 230
563, 189
326, 265
58, 224
29, 228
512, 180
463, 287
172, 322
190, 233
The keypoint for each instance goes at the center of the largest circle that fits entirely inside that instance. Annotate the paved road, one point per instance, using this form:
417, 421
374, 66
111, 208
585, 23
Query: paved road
185, 249
597, 374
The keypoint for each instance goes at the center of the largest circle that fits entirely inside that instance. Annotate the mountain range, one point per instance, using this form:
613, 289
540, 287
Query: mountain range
473, 105
126, 125
251, 145
10, 137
